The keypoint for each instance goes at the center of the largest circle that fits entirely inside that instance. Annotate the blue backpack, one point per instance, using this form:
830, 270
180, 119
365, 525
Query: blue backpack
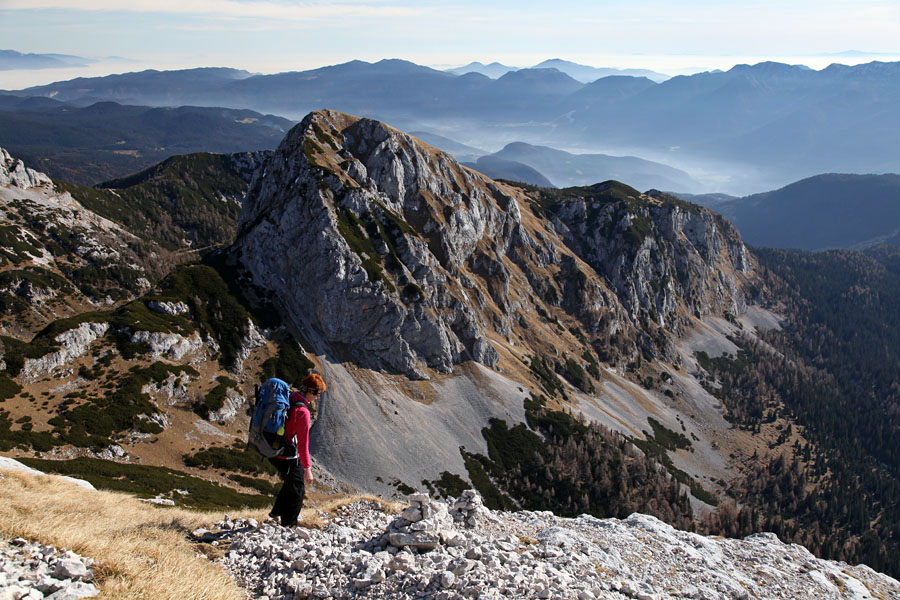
267, 423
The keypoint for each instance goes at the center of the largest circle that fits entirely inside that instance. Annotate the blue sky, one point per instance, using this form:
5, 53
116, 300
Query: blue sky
279, 35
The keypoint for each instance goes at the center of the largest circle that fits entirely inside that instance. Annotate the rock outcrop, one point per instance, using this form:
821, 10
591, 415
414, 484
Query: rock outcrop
373, 231
232, 404
13, 172
171, 345
529, 555
666, 259
73, 344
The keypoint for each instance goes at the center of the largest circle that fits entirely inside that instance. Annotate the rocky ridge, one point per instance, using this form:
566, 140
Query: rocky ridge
67, 248
391, 228
14, 173
56, 256
397, 265
661, 255
524, 555
74, 343
421, 264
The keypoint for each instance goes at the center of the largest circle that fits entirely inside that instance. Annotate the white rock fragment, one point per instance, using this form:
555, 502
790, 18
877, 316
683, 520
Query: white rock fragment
170, 345
583, 558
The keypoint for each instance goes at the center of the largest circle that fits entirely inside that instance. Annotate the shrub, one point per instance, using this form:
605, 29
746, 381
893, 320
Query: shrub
8, 388
214, 399
291, 364
241, 459
448, 485
97, 420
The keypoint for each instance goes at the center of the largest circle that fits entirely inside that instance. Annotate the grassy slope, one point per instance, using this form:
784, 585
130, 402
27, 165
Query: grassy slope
143, 551
107, 140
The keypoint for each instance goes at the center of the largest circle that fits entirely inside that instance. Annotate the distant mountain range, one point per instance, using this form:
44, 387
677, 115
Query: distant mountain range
493, 70
549, 167
817, 213
565, 169
107, 140
499, 168
10, 60
579, 72
750, 128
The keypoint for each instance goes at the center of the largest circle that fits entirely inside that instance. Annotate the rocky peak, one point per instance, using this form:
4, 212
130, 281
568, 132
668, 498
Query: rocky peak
393, 255
390, 234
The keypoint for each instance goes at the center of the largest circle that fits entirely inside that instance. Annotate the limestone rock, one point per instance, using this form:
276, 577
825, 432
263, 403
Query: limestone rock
29, 570
381, 224
74, 343
234, 401
395, 257
168, 308
253, 338
13, 172
170, 345
659, 255
584, 558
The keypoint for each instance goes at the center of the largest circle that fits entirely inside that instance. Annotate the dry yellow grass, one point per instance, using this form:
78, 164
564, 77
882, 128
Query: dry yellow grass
142, 551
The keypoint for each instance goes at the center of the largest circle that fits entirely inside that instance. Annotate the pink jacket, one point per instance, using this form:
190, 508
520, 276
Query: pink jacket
296, 433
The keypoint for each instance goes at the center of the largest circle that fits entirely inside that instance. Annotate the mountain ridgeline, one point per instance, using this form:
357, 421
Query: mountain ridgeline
422, 264
68, 247
765, 124
105, 140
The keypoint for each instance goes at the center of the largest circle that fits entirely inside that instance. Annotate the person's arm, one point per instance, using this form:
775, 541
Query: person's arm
303, 423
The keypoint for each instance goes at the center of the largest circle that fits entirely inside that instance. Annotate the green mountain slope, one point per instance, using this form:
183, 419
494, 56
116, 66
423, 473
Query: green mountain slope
66, 248
108, 140
184, 202
826, 211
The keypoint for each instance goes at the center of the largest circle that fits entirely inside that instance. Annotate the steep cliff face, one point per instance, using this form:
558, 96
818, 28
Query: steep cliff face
389, 248
397, 257
666, 259
389, 256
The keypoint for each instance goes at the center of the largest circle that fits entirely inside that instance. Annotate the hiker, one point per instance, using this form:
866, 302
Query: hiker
293, 463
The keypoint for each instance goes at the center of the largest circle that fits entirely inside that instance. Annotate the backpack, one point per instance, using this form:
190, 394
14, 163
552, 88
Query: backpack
267, 423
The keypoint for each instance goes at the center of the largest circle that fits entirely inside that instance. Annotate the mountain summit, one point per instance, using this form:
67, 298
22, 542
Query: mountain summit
438, 264
387, 254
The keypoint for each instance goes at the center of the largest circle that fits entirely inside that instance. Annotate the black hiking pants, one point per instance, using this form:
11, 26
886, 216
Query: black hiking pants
290, 497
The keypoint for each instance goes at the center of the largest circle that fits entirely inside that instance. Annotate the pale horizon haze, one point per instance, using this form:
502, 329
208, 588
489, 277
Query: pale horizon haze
274, 36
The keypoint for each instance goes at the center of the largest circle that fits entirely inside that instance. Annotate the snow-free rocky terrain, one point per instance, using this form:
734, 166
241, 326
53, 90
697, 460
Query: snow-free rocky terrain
464, 550
31, 571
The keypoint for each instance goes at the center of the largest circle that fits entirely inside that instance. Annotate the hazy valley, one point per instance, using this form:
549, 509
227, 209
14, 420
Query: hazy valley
751, 128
